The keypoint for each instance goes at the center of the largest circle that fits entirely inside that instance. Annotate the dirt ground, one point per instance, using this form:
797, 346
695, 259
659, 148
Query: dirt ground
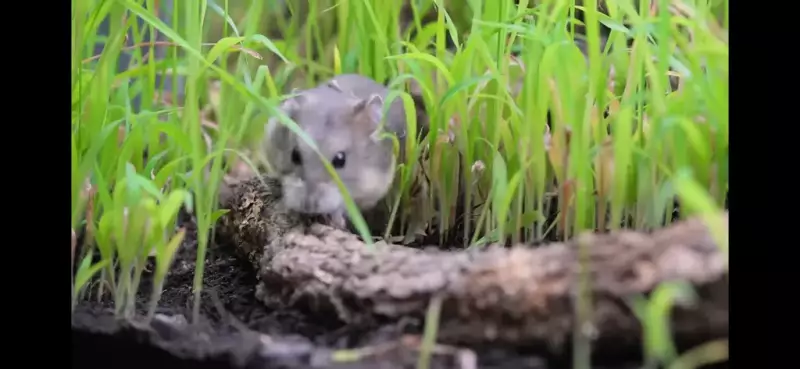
228, 308
235, 326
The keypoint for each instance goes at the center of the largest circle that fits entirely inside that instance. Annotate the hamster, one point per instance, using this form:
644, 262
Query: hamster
343, 116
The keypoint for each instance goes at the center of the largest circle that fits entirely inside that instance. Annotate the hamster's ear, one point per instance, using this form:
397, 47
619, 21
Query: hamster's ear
276, 132
332, 84
292, 103
373, 106
335, 85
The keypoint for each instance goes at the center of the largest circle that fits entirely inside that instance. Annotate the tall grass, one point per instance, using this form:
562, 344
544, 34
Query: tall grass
184, 157
488, 101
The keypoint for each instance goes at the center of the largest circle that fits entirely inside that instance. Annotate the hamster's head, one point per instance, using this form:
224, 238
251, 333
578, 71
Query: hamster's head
348, 134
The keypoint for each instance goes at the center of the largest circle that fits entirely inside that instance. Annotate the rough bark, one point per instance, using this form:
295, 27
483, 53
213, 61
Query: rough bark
517, 295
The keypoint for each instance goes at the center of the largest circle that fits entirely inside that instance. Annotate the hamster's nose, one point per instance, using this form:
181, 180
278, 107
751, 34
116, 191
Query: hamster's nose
295, 194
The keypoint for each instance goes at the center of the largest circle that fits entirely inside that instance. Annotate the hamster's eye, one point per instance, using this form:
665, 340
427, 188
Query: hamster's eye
338, 160
296, 159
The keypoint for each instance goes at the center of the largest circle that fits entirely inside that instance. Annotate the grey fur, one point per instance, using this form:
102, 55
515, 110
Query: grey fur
363, 87
340, 115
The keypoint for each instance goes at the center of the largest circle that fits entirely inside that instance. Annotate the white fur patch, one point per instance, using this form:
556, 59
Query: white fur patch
373, 187
324, 198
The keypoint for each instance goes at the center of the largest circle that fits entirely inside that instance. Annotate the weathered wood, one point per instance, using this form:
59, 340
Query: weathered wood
517, 295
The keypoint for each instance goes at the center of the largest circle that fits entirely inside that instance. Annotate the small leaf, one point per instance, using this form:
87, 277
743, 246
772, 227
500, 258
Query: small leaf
149, 205
153, 161
175, 134
171, 207
167, 171
512, 187
491, 236
149, 187
223, 45
694, 198
694, 136
133, 193
264, 74
499, 179
165, 255
613, 24
337, 61
463, 85
218, 214
443, 70
270, 45
103, 236
221, 12
189, 201
350, 64
86, 272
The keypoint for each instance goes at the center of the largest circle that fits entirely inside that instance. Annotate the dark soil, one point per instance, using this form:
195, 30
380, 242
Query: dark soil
237, 331
230, 332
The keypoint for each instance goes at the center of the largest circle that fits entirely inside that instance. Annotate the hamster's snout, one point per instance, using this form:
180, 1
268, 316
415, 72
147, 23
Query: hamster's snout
311, 198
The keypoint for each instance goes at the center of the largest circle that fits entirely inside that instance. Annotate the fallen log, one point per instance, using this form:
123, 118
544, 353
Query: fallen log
518, 295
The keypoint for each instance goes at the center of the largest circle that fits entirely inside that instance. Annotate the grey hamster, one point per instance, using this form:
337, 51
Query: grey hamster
343, 117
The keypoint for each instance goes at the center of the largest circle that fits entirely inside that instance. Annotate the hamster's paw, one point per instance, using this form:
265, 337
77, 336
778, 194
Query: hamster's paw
337, 220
